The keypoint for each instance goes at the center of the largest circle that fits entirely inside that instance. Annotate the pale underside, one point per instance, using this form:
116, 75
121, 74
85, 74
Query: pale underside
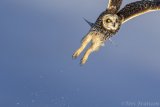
96, 39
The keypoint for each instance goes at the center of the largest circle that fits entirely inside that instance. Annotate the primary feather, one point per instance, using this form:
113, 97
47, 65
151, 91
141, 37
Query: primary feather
138, 8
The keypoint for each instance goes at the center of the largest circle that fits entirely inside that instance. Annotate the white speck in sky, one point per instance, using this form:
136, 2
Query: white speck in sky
17, 103
33, 100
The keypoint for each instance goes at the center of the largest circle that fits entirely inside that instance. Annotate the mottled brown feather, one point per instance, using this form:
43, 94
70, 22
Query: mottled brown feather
114, 5
138, 8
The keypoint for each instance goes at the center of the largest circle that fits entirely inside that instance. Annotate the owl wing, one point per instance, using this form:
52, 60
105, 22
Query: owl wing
114, 5
138, 8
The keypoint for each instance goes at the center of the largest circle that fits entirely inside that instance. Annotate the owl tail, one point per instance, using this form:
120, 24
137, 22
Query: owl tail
90, 23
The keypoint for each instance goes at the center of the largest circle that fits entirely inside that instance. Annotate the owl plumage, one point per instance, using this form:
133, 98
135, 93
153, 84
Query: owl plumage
138, 8
110, 21
114, 5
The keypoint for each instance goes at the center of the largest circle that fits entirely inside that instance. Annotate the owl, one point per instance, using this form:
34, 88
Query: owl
110, 21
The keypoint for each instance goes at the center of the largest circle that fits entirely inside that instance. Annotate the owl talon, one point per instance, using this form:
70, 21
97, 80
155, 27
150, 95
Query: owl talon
74, 56
85, 42
83, 61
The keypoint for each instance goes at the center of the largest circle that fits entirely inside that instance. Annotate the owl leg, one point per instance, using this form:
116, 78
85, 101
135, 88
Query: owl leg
86, 55
96, 43
85, 41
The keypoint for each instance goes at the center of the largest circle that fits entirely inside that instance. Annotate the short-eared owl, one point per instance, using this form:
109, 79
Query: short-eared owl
110, 21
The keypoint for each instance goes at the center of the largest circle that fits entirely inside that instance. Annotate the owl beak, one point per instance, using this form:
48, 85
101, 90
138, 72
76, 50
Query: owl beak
114, 24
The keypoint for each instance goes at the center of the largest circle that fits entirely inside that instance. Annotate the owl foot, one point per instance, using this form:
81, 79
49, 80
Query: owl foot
83, 61
96, 43
86, 55
76, 54
85, 42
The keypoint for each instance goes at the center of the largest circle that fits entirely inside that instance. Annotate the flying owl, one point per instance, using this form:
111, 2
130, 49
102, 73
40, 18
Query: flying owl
110, 21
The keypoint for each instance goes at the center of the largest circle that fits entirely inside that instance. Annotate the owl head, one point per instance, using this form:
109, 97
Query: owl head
110, 22
107, 24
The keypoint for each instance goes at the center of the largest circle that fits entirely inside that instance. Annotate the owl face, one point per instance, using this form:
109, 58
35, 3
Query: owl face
110, 22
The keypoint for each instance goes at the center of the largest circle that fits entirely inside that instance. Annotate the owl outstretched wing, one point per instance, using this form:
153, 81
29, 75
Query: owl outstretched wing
138, 8
114, 5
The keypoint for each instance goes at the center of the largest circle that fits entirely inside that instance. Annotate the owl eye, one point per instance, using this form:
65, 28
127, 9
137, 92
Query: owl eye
108, 20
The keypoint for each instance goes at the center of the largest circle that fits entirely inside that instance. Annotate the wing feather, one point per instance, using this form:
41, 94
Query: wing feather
138, 8
114, 4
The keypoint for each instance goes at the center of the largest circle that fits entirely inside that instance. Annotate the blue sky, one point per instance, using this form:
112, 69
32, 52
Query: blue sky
38, 38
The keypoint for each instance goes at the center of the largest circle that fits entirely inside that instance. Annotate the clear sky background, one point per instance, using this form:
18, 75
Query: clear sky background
38, 38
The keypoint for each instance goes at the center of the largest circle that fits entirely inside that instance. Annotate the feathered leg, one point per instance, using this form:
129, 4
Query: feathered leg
96, 44
85, 42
